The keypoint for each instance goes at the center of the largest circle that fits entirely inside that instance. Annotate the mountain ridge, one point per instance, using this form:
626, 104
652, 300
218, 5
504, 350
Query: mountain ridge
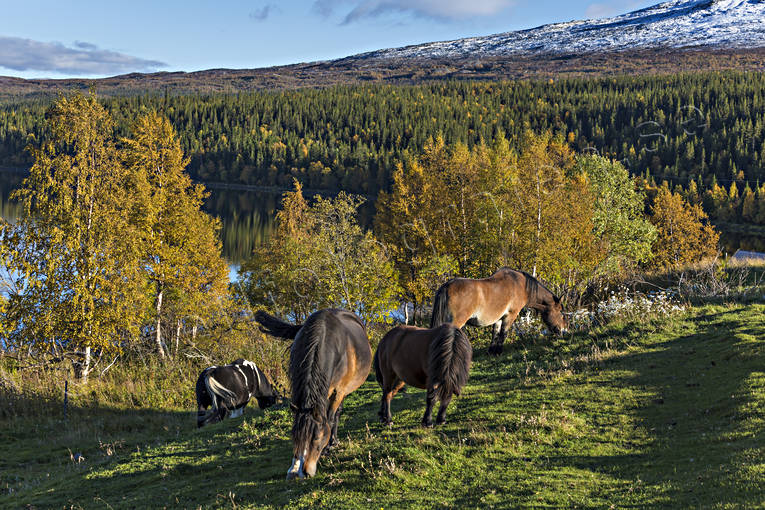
673, 36
673, 24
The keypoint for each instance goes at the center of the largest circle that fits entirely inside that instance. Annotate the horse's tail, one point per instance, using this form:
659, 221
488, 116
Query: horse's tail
208, 391
276, 327
216, 389
441, 312
449, 361
376, 365
203, 396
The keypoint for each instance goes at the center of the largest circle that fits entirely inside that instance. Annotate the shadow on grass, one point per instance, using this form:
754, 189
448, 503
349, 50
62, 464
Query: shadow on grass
688, 437
141, 458
701, 418
688, 433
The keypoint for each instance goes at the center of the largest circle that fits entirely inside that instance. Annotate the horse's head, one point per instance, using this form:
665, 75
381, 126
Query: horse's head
265, 402
553, 316
311, 433
266, 395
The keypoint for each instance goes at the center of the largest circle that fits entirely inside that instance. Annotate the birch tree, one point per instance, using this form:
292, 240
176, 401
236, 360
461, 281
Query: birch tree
180, 247
319, 257
685, 235
73, 254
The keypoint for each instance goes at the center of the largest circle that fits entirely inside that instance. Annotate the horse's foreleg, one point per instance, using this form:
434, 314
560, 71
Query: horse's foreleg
441, 418
497, 339
495, 348
238, 411
333, 437
429, 402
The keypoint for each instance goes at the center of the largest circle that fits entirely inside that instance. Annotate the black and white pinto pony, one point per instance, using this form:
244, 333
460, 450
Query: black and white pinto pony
228, 389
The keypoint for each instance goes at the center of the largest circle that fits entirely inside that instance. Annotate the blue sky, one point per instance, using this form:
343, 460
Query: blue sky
84, 38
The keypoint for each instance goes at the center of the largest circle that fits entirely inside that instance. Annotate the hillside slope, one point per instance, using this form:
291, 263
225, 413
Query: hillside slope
668, 413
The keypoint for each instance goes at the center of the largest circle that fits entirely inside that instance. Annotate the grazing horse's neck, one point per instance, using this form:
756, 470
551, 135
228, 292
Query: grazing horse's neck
538, 296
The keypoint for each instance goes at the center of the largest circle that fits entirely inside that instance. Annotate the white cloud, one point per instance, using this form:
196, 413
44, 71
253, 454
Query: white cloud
599, 11
84, 58
610, 9
435, 9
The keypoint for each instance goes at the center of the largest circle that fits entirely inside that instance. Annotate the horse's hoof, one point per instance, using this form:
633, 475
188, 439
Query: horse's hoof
427, 424
441, 422
495, 350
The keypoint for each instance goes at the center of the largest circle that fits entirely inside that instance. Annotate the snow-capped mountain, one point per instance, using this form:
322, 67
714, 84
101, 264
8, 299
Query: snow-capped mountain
673, 24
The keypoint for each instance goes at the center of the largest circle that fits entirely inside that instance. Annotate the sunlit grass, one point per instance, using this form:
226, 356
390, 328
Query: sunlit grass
666, 412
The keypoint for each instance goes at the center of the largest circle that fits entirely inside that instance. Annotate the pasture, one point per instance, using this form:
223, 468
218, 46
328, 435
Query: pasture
665, 412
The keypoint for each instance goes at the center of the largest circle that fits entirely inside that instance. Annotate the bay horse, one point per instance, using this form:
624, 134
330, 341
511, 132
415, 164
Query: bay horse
496, 301
436, 359
229, 388
329, 359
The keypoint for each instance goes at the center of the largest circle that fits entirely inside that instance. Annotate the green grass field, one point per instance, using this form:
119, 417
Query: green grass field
666, 413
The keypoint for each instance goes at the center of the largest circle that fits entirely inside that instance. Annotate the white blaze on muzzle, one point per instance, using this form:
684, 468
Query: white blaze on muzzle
296, 469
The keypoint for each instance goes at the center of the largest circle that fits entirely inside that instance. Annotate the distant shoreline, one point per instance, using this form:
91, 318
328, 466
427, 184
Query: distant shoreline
226, 186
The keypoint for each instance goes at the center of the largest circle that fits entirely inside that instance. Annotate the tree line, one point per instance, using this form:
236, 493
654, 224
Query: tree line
113, 252
576, 221
701, 128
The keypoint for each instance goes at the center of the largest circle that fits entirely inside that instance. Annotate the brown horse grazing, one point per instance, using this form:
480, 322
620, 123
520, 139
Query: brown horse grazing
496, 301
329, 358
435, 359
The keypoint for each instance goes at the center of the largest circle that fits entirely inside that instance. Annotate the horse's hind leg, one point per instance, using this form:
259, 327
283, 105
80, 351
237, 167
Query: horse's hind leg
385, 415
384, 412
201, 416
219, 411
441, 418
429, 402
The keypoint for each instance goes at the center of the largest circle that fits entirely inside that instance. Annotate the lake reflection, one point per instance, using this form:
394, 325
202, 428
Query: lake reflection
732, 241
248, 218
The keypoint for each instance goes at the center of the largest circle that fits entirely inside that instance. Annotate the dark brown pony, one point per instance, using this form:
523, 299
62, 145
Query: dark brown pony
496, 301
329, 358
435, 359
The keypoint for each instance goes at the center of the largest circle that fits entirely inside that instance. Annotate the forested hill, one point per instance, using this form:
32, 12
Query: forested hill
705, 127
359, 69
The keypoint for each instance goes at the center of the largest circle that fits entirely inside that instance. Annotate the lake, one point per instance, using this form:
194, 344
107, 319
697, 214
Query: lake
248, 218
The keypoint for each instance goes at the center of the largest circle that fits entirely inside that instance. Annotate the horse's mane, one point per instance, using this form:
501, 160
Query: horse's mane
532, 284
309, 382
